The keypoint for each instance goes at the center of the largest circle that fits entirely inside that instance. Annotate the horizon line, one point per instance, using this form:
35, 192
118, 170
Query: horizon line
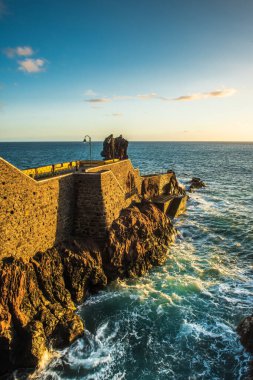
144, 141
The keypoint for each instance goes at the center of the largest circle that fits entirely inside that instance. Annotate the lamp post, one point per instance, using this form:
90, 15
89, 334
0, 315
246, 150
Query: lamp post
89, 141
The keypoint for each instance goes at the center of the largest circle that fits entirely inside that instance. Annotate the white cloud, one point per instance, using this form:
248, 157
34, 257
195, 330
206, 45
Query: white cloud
32, 65
21, 51
205, 95
24, 51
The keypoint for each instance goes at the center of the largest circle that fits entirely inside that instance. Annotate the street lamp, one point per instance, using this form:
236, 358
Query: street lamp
89, 141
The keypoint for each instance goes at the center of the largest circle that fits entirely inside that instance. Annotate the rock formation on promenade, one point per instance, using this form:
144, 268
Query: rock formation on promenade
115, 148
38, 296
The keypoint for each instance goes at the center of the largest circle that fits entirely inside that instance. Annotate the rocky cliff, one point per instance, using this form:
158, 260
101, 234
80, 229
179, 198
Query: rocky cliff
38, 296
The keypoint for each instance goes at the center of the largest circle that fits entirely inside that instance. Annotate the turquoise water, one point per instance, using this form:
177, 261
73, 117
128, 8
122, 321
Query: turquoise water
179, 321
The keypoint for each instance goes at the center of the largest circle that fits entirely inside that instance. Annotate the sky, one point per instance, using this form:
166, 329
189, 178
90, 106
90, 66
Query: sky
172, 70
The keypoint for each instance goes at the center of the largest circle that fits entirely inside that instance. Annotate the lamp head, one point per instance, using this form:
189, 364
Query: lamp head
84, 140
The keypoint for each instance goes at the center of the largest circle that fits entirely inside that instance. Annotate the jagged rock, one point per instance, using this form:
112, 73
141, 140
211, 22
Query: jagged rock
83, 270
37, 301
196, 183
137, 240
37, 310
245, 330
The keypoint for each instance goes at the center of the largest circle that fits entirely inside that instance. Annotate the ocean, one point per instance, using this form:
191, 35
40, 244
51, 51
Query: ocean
179, 321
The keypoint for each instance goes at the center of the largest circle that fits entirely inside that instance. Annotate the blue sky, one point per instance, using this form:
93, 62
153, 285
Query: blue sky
151, 70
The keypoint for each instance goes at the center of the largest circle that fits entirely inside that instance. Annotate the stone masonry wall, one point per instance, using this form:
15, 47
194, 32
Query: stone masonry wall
89, 206
33, 215
159, 181
99, 201
122, 171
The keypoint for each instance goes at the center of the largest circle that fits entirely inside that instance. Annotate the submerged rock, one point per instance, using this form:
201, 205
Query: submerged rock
137, 240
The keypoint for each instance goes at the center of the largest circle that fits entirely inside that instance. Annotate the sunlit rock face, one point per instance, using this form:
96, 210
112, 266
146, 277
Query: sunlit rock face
137, 240
37, 302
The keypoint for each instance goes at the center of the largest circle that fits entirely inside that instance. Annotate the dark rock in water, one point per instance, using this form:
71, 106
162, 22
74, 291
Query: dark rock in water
245, 331
196, 183
137, 240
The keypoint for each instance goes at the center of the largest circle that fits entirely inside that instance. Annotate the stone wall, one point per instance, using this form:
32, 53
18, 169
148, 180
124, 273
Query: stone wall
122, 171
89, 207
159, 181
33, 215
99, 201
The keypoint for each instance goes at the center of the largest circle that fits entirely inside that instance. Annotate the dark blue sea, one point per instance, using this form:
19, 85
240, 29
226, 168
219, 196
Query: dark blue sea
179, 321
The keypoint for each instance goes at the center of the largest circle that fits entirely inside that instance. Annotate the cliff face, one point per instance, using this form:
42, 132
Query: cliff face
38, 297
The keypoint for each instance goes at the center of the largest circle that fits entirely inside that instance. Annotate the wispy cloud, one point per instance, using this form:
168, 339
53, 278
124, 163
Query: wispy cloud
20, 51
99, 100
205, 95
32, 65
154, 96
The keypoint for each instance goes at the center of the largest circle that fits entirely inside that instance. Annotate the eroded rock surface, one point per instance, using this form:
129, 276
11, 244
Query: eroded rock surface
137, 240
37, 303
